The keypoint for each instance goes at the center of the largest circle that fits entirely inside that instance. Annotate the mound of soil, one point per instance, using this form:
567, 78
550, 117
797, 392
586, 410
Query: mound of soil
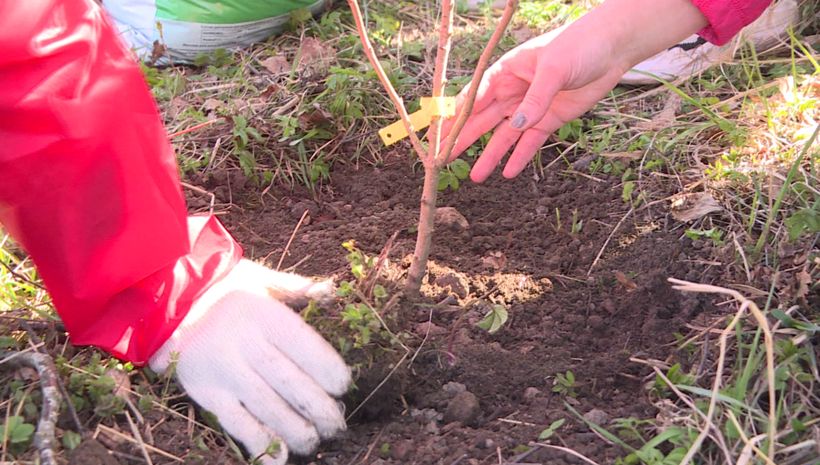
518, 250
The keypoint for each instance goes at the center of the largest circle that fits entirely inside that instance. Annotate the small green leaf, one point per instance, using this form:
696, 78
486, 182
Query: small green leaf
358, 270
521, 448
460, 168
443, 180
714, 234
16, 430
243, 134
254, 133
803, 221
210, 419
345, 289
798, 426
629, 188
273, 448
494, 319
247, 162
547, 433
571, 130
379, 291
22, 433
365, 335
454, 183
145, 403
71, 439
784, 318
675, 456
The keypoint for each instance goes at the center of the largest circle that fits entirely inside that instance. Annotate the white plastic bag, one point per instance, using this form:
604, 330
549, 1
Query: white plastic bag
182, 30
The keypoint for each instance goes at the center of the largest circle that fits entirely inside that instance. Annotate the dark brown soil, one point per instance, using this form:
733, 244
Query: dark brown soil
91, 452
513, 253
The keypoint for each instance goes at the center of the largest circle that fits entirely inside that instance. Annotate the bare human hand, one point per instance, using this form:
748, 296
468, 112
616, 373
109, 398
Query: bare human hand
545, 82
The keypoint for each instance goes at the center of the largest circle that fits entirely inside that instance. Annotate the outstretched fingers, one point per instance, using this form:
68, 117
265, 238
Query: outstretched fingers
299, 390
529, 144
536, 103
479, 124
499, 145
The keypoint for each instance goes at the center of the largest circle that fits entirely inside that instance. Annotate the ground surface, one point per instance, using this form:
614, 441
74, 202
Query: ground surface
577, 249
560, 319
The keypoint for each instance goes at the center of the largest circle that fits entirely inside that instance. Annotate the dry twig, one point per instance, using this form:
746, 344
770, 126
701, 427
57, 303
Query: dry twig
44, 437
568, 451
609, 238
290, 241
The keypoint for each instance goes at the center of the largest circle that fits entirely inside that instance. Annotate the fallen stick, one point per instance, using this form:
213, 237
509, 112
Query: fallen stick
44, 438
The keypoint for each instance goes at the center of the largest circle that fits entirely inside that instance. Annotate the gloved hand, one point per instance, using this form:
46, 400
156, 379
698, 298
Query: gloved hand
242, 354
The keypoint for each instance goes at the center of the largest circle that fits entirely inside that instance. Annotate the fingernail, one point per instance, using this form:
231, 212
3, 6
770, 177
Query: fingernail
518, 121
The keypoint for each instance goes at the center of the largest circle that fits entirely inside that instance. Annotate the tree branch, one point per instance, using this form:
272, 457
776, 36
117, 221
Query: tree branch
481, 67
44, 438
440, 77
391, 91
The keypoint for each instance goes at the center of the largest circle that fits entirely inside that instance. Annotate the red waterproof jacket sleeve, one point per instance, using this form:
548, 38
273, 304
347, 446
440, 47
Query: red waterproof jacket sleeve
727, 17
89, 184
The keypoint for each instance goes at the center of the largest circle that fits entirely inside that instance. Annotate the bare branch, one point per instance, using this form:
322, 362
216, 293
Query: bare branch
44, 439
429, 193
391, 91
481, 67
440, 76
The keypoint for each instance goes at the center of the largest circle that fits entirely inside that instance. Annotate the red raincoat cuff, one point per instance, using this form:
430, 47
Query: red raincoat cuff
727, 17
137, 321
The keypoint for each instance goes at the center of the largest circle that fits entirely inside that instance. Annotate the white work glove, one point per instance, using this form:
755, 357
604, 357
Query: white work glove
242, 354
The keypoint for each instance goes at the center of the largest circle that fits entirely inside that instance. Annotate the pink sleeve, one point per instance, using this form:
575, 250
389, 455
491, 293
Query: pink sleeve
727, 17
89, 181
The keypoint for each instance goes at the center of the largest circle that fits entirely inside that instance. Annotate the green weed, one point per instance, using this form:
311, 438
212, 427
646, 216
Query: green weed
92, 388
364, 301
548, 432
16, 431
713, 234
544, 14
453, 174
494, 319
676, 375
564, 384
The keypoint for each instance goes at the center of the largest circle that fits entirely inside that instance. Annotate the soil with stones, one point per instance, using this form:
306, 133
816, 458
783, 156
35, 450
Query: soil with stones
477, 398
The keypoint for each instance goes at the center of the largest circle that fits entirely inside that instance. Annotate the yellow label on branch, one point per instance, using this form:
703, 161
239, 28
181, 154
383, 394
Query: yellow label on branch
430, 106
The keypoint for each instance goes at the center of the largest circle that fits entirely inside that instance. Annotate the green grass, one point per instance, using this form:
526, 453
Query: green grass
740, 421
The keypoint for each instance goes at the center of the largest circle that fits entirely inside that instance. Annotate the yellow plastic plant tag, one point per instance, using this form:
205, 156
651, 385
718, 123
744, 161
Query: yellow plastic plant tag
430, 106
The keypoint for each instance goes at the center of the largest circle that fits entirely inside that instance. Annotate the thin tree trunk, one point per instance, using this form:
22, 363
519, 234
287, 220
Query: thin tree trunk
424, 238
437, 158
432, 166
437, 155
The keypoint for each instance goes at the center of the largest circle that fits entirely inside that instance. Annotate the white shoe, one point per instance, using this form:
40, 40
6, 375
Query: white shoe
477, 5
694, 54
